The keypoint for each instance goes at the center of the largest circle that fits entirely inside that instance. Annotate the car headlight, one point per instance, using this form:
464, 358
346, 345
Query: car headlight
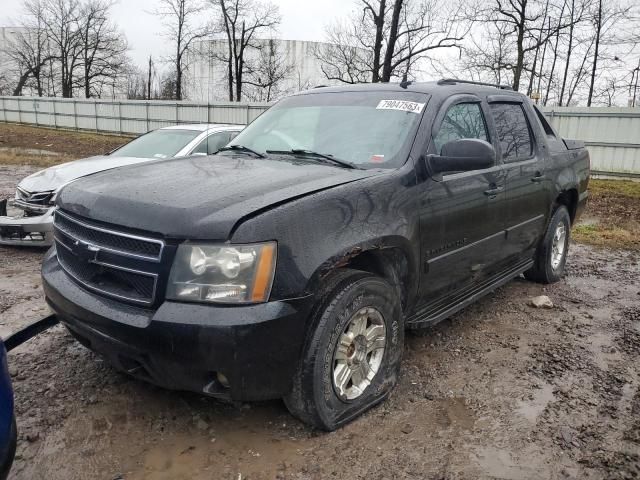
222, 273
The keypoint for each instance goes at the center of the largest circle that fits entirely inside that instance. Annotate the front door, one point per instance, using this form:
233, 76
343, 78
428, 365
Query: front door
462, 213
527, 186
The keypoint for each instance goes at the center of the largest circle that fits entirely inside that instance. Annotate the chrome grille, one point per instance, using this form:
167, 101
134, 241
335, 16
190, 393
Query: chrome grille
38, 202
118, 242
115, 264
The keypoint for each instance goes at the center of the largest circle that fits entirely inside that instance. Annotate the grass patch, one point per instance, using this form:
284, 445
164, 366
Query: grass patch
13, 157
624, 188
602, 236
612, 217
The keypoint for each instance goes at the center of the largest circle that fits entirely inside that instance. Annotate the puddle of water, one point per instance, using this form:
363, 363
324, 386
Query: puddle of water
234, 451
499, 464
532, 409
457, 413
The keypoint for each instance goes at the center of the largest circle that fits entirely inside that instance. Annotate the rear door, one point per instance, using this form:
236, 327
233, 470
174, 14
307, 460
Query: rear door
527, 185
462, 213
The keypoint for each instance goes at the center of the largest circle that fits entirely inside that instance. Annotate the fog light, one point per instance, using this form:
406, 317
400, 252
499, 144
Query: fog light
223, 380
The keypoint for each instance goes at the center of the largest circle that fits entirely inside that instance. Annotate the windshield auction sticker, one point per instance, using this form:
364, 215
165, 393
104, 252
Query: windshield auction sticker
412, 107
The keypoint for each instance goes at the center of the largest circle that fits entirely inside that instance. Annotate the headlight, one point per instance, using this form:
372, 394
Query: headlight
222, 273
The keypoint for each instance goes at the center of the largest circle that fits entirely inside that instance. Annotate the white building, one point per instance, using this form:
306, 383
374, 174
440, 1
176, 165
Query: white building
207, 75
7, 66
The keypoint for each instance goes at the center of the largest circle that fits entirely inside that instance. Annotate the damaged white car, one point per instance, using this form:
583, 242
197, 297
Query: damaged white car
27, 219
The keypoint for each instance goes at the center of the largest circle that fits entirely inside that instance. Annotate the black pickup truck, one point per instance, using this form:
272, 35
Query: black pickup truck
290, 264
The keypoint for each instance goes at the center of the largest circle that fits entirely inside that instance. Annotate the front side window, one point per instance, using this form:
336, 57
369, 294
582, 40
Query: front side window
463, 120
513, 131
157, 144
371, 129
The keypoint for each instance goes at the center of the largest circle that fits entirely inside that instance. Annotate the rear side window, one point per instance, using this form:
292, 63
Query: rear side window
463, 120
513, 131
556, 145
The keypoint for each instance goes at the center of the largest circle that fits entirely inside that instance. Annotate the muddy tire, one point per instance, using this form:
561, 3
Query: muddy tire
551, 256
351, 359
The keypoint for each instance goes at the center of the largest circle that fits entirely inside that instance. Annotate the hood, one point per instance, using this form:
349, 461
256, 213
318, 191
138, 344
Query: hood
198, 197
53, 178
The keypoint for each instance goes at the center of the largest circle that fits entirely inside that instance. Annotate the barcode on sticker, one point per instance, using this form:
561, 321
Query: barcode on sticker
413, 107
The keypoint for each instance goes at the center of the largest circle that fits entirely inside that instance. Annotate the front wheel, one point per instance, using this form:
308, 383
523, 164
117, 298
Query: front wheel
351, 360
551, 255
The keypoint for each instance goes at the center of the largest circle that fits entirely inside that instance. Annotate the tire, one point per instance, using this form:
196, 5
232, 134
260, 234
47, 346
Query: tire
548, 267
351, 301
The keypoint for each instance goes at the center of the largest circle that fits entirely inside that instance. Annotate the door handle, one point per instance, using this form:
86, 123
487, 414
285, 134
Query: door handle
538, 178
493, 192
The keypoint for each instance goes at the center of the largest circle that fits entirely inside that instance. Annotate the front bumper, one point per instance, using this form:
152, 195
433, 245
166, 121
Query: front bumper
184, 346
34, 231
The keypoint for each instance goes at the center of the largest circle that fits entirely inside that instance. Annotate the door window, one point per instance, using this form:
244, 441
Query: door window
212, 143
463, 120
513, 131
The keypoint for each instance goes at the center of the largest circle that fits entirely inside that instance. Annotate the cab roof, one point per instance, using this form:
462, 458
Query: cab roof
440, 88
203, 127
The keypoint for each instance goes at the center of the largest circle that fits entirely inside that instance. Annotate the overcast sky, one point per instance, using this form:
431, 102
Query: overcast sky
301, 20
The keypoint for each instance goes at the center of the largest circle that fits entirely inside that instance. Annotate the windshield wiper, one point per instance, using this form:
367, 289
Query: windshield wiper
328, 159
241, 148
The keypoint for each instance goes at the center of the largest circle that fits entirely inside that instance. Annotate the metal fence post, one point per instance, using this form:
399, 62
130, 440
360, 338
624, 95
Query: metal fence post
75, 114
120, 117
35, 110
247, 119
4, 110
147, 113
95, 112
55, 113
19, 111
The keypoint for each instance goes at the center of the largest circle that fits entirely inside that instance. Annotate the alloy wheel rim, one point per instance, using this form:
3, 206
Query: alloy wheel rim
358, 354
558, 246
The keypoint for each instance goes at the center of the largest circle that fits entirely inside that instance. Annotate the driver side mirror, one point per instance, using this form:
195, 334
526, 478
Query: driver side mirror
463, 155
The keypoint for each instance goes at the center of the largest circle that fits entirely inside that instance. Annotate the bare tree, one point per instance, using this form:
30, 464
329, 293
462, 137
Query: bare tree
61, 19
575, 12
103, 46
179, 19
342, 61
270, 70
29, 50
387, 38
606, 17
527, 22
492, 55
242, 22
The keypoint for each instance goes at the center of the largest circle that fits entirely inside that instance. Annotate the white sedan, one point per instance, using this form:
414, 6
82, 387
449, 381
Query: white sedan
31, 222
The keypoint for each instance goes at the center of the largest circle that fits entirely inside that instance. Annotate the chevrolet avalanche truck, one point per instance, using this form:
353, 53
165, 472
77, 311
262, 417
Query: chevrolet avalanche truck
289, 264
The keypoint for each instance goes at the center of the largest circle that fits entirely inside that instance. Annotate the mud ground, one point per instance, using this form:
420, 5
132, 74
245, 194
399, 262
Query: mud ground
21, 144
500, 391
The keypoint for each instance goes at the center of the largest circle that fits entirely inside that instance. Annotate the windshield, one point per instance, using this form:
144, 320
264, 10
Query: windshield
157, 144
368, 129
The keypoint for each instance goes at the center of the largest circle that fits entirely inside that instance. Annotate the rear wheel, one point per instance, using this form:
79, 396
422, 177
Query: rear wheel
351, 360
551, 255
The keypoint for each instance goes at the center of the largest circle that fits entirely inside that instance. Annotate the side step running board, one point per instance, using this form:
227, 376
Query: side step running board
437, 312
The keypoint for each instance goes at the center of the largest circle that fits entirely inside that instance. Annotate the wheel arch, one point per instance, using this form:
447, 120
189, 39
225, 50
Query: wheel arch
390, 258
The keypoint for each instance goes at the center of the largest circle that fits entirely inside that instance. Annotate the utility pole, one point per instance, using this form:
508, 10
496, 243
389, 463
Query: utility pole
635, 88
149, 78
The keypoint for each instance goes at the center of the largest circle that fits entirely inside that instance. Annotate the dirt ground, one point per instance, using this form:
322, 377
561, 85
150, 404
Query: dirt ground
502, 390
23, 145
